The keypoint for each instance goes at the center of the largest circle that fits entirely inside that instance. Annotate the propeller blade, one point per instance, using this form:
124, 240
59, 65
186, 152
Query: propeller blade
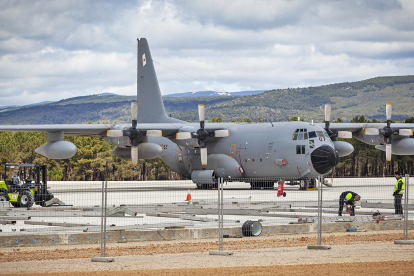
221, 133
388, 152
183, 135
327, 112
134, 155
134, 111
371, 131
203, 153
405, 132
344, 134
201, 112
388, 111
154, 133
114, 133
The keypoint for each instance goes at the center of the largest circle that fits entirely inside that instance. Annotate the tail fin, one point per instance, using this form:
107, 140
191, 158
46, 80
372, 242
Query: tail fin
150, 105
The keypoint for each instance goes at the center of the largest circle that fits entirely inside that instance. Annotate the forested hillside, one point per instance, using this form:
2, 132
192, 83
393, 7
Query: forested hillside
366, 98
356, 102
94, 161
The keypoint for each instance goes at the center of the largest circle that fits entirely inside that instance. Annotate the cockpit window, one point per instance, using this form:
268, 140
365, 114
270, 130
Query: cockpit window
295, 135
300, 134
320, 134
312, 134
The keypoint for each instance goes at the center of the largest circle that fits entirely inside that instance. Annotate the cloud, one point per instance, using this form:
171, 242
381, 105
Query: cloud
59, 49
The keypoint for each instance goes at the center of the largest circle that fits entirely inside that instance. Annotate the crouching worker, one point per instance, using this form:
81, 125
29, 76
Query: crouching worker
348, 198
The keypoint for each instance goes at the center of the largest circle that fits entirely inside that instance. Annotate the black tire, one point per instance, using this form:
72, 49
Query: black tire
270, 185
253, 185
4, 197
312, 183
26, 199
15, 204
49, 195
303, 184
207, 186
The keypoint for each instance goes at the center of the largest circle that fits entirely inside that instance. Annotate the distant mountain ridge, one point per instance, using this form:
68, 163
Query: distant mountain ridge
184, 94
214, 93
348, 99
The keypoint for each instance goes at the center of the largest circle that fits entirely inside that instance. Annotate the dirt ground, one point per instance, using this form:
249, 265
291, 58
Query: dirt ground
367, 253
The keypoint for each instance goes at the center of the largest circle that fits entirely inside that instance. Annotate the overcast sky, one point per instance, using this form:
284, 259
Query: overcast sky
52, 50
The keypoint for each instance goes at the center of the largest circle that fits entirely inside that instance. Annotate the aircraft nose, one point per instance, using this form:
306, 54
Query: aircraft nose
324, 159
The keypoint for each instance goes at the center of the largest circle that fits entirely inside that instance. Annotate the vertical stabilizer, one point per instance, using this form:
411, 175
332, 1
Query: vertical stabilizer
150, 105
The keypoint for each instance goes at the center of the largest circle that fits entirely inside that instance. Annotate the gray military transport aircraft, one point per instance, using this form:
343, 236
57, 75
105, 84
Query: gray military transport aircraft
204, 151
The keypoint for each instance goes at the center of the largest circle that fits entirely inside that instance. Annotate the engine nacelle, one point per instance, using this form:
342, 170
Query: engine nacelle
224, 166
343, 148
145, 151
57, 150
400, 147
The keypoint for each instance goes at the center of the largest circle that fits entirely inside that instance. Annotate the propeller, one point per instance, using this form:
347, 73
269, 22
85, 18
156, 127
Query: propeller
334, 133
133, 133
201, 134
387, 132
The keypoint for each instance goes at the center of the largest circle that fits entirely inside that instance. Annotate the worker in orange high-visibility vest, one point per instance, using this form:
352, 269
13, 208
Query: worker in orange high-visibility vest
398, 193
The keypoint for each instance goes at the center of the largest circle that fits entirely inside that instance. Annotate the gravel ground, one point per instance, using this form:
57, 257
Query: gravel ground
375, 253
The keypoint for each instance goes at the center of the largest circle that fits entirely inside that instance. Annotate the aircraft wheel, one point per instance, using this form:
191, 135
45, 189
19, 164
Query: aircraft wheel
207, 186
303, 184
4, 197
49, 195
270, 185
199, 186
312, 183
254, 185
25, 199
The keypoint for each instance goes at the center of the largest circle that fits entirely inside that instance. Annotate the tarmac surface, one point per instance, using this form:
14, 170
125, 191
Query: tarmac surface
156, 193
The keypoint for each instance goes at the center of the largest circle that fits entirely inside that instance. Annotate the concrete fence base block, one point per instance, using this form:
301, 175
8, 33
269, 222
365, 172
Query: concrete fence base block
321, 247
222, 253
404, 242
103, 259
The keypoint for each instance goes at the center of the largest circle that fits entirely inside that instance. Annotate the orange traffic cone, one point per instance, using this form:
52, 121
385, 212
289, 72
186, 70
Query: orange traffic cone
188, 195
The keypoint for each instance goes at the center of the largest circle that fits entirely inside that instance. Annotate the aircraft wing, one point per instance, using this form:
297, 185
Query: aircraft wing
68, 129
88, 129
353, 127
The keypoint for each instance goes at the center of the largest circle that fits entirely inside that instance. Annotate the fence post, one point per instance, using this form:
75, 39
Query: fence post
103, 258
320, 211
405, 216
319, 245
220, 204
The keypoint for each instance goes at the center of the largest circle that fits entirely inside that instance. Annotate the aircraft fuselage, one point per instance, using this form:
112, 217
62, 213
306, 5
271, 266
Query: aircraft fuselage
252, 150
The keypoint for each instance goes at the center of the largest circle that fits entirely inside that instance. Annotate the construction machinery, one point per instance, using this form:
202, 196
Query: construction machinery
20, 190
